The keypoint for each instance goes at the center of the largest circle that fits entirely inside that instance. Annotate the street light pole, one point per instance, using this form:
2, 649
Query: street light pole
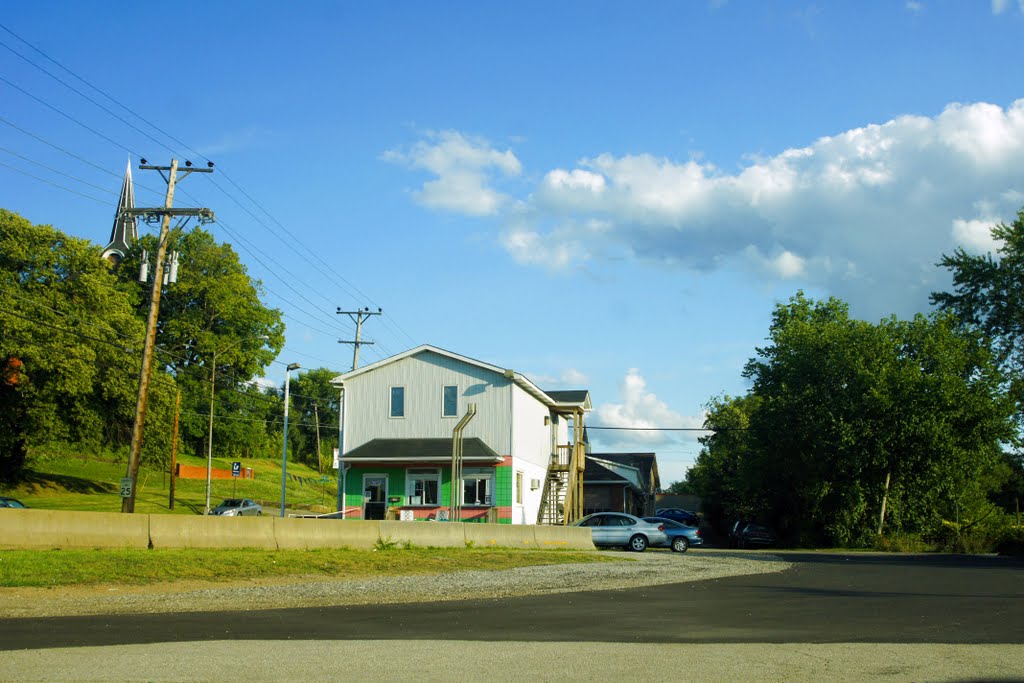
209, 439
284, 453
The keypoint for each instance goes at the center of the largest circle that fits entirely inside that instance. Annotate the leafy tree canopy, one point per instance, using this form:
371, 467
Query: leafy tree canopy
839, 406
70, 344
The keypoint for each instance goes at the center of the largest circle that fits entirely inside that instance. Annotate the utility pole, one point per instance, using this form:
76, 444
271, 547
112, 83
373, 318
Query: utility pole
357, 318
174, 447
316, 418
151, 215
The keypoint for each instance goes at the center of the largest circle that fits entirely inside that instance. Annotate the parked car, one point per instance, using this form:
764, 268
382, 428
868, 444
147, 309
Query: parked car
11, 503
680, 536
620, 530
679, 515
747, 534
237, 507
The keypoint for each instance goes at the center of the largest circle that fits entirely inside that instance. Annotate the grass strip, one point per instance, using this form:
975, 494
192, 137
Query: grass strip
55, 568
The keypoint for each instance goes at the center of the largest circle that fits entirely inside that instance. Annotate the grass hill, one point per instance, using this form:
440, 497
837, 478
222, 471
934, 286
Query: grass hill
92, 482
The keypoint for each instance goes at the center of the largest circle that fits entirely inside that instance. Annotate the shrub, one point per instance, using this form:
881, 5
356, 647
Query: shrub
1011, 541
902, 543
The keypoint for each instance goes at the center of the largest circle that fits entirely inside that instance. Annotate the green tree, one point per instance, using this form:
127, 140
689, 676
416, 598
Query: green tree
70, 347
214, 309
314, 401
721, 475
848, 405
988, 296
680, 488
843, 414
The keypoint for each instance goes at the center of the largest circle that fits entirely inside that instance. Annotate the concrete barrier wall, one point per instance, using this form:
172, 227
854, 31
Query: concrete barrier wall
504, 535
177, 531
67, 529
303, 534
571, 537
425, 534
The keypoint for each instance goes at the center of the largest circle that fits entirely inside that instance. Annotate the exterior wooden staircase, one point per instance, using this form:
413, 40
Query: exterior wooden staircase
561, 502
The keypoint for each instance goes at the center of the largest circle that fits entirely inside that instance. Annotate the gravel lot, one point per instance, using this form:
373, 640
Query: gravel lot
646, 569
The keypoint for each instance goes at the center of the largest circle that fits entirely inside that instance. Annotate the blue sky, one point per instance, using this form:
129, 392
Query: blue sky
602, 195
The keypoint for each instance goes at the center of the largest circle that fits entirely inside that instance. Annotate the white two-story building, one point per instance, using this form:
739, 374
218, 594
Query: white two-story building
520, 449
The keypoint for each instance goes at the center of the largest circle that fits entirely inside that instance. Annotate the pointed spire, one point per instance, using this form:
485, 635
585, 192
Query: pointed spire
125, 232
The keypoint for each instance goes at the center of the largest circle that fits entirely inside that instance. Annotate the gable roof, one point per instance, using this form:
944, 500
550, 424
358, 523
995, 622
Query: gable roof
600, 471
577, 399
645, 463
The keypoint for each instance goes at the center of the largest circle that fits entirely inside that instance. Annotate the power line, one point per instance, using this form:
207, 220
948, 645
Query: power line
50, 182
83, 95
673, 429
68, 116
58, 172
392, 324
72, 154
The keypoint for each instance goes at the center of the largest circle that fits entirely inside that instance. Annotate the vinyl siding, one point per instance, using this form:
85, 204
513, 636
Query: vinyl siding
531, 438
367, 400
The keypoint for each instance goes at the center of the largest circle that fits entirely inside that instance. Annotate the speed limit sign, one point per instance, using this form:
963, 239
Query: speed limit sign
126, 487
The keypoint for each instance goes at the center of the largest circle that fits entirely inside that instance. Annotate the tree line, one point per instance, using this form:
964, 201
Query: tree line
852, 431
71, 334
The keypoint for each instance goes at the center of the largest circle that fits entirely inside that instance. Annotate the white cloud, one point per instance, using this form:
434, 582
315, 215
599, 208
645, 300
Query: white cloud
640, 408
914, 6
463, 166
1000, 6
864, 214
975, 236
570, 378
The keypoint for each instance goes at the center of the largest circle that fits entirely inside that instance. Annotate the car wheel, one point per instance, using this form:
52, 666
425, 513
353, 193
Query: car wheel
259, 513
680, 544
638, 543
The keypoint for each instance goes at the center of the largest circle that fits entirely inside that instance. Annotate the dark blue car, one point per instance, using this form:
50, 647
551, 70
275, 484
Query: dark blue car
679, 515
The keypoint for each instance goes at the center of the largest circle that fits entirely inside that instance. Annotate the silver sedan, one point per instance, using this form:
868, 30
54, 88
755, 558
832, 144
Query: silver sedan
238, 507
621, 530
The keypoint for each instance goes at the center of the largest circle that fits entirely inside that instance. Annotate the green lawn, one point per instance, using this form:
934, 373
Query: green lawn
51, 568
93, 484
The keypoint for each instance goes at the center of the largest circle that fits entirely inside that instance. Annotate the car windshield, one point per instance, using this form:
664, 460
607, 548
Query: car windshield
231, 503
755, 527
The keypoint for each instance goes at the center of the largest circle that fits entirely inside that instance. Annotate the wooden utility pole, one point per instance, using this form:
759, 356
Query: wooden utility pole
134, 455
885, 499
358, 320
316, 417
174, 447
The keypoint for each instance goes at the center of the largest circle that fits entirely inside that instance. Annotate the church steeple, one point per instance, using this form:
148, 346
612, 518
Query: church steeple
124, 232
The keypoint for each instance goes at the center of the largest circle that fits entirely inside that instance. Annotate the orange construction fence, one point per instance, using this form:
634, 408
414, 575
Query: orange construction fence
193, 472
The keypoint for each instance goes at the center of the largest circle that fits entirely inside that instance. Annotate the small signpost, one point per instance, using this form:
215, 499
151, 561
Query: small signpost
323, 487
236, 472
126, 487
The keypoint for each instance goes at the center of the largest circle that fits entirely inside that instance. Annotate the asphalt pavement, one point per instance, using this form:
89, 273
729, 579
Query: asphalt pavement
935, 617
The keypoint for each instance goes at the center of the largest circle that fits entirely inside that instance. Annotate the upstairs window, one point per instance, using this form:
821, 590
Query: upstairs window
450, 402
397, 401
